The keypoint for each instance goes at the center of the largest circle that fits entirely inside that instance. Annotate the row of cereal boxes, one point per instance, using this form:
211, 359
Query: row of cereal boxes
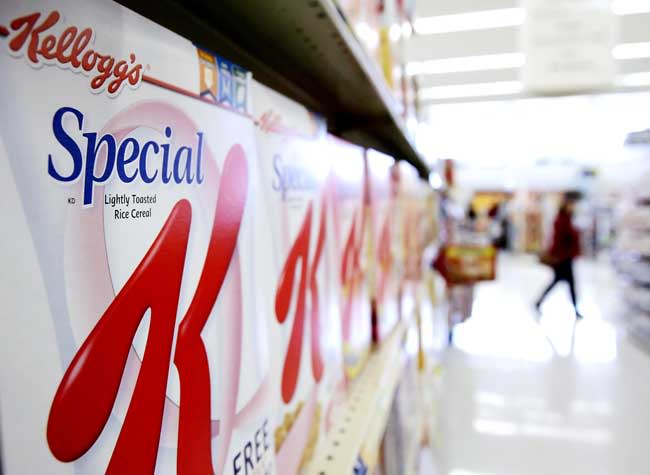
192, 269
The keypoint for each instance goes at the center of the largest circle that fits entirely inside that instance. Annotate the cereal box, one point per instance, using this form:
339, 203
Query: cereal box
132, 341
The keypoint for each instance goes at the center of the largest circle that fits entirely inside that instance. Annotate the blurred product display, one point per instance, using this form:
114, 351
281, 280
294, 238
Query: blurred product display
631, 251
214, 219
280, 237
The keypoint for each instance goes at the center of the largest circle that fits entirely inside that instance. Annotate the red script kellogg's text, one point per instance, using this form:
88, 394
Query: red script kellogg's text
71, 49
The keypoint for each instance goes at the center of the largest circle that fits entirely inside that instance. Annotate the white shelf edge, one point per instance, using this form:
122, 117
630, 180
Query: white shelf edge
365, 412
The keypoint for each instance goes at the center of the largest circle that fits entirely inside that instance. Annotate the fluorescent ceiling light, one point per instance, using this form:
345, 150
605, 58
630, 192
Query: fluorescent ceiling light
503, 17
466, 63
632, 50
457, 91
630, 7
508, 88
495, 427
481, 20
506, 60
635, 80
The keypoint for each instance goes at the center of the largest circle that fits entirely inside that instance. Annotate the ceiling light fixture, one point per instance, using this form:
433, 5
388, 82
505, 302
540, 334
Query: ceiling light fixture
631, 50
466, 63
635, 80
481, 20
506, 61
508, 88
457, 91
630, 7
503, 17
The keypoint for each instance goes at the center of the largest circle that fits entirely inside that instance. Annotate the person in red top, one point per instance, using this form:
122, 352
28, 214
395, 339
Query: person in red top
564, 248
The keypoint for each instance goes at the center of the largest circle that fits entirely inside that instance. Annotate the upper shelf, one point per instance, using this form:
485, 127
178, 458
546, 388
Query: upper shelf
303, 49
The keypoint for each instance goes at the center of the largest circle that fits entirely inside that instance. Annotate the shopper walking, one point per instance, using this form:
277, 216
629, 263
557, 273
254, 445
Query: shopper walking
565, 247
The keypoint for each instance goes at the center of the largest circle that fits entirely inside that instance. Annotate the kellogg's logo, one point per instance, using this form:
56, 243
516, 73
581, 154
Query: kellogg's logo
70, 50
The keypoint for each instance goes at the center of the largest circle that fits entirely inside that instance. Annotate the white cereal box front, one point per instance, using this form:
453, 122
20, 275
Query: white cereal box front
297, 234
384, 265
132, 341
415, 218
352, 231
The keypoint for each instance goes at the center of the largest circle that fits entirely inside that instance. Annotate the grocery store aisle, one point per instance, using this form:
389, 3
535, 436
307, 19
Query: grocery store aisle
531, 396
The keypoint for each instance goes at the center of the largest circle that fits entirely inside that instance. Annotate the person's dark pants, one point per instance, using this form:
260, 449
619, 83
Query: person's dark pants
563, 272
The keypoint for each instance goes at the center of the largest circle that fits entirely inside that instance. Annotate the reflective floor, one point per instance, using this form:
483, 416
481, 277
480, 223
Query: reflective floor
524, 394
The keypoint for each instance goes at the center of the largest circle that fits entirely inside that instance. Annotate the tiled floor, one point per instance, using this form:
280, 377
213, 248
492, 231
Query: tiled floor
522, 395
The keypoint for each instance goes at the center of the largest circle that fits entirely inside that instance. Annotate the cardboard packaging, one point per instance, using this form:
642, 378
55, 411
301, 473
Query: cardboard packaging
295, 210
418, 229
352, 233
385, 269
132, 338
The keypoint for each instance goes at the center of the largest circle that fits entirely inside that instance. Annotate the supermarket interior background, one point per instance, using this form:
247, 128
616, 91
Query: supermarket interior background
429, 168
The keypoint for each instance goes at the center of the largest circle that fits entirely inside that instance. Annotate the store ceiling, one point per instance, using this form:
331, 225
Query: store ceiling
490, 82
539, 143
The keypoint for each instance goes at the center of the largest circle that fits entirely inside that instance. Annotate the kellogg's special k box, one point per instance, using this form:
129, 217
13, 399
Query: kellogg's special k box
295, 223
385, 265
352, 226
132, 341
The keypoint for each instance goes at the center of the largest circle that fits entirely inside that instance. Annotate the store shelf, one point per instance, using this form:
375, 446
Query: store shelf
303, 49
360, 422
638, 329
